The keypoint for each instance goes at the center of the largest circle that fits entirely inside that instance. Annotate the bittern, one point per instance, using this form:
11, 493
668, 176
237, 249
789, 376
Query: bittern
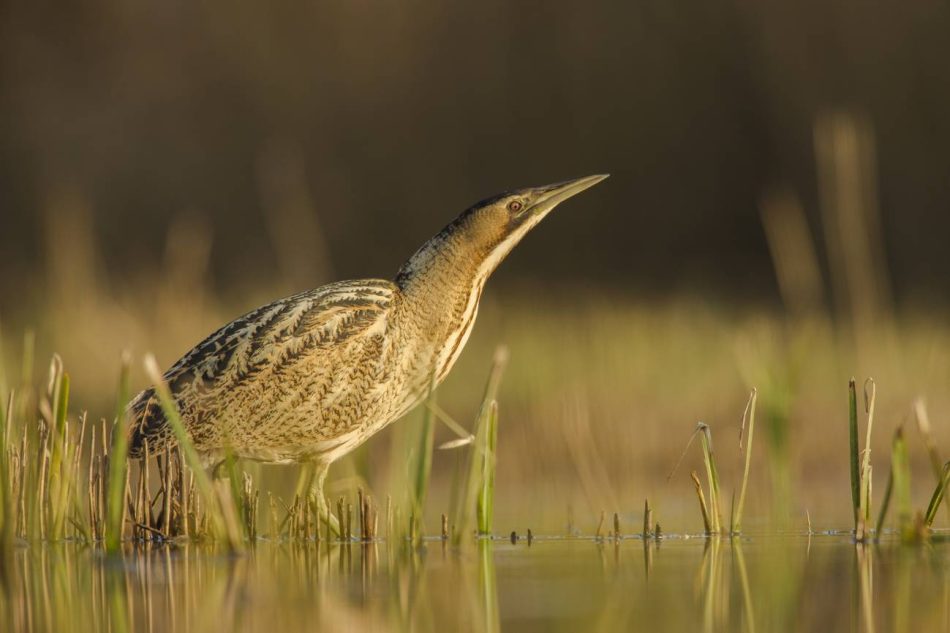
311, 377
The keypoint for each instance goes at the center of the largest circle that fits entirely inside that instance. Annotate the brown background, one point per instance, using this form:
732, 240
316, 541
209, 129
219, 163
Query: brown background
382, 120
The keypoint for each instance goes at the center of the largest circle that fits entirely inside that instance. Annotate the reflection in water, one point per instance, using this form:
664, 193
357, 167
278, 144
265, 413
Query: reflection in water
716, 584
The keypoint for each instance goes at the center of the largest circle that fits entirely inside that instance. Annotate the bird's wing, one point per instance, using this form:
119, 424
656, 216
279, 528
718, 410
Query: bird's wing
261, 341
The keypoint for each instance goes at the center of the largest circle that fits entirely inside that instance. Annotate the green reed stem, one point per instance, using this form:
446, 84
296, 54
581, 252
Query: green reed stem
467, 499
6, 482
202, 481
118, 462
900, 468
485, 509
707, 526
423, 464
712, 475
58, 485
937, 496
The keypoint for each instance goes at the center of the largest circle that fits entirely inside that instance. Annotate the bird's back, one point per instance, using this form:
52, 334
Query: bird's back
295, 379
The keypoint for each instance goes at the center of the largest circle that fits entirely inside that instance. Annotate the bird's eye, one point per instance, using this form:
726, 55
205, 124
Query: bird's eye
514, 206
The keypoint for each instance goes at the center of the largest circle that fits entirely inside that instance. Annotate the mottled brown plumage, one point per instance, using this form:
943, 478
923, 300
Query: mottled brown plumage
310, 377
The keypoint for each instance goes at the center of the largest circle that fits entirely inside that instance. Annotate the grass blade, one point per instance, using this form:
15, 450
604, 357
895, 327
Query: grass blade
423, 464
869, 398
937, 496
202, 481
485, 509
900, 466
118, 462
707, 526
712, 475
854, 449
750, 415
467, 496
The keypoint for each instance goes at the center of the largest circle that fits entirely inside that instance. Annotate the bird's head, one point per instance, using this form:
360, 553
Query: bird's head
487, 231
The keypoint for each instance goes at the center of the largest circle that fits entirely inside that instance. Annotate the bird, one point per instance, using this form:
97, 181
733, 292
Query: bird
308, 378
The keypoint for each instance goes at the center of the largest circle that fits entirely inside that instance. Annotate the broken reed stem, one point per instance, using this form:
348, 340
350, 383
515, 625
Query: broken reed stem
360, 513
340, 518
349, 521
707, 526
647, 518
600, 525
854, 452
712, 474
865, 510
748, 414
938, 495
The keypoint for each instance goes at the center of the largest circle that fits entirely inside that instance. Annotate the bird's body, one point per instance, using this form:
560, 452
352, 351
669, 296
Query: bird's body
310, 377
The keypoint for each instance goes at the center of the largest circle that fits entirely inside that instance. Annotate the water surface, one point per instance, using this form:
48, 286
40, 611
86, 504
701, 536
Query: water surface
762, 582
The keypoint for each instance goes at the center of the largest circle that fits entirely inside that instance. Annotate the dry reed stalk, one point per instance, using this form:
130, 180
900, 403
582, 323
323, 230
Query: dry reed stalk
748, 414
340, 517
599, 534
647, 518
846, 160
360, 516
349, 521
167, 494
274, 525
793, 254
184, 498
214, 513
147, 511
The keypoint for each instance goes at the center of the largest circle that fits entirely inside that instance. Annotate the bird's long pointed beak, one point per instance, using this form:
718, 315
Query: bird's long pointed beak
552, 195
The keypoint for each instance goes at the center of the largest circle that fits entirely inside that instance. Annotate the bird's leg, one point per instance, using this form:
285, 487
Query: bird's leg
323, 508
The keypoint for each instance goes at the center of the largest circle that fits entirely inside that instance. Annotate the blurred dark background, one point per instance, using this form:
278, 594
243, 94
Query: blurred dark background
327, 140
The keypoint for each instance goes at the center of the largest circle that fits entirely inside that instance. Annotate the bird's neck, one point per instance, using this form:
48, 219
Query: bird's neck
441, 286
444, 275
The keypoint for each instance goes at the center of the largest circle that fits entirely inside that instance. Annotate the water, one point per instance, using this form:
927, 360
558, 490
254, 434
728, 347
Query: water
762, 583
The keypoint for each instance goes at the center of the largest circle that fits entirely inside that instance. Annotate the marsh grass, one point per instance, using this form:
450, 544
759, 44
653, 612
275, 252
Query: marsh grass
480, 459
860, 461
62, 475
219, 507
711, 510
911, 527
485, 505
421, 466
748, 418
118, 465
